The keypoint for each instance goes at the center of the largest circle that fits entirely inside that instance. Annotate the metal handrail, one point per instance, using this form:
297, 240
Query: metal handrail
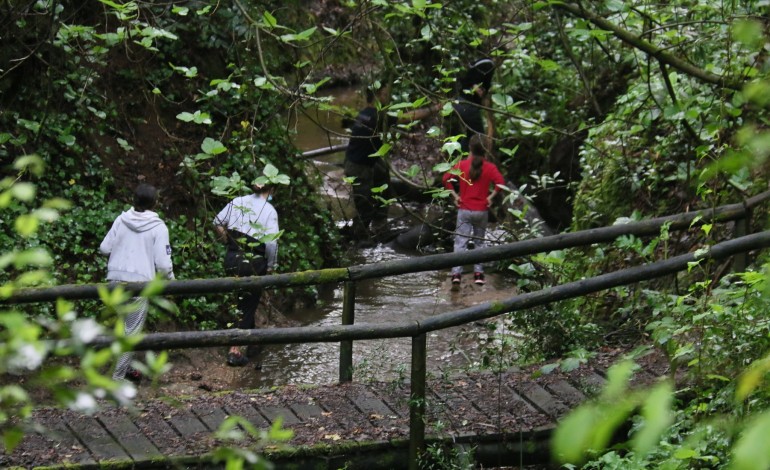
369, 331
730, 212
417, 330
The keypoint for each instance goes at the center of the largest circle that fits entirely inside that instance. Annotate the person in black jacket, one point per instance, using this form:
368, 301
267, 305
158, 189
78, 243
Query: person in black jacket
361, 162
472, 95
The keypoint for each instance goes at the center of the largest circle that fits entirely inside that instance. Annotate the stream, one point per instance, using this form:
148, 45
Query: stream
391, 299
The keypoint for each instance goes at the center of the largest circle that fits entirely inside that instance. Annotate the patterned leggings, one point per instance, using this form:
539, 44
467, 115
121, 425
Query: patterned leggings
133, 325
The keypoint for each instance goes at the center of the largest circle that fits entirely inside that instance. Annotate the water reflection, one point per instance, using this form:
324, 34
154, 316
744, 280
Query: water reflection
313, 128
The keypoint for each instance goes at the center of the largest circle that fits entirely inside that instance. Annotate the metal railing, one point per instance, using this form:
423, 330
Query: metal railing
348, 331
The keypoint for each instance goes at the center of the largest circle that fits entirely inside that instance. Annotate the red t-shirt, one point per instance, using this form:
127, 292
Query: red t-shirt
473, 195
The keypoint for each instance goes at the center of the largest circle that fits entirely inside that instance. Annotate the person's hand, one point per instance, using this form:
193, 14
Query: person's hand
457, 199
486, 100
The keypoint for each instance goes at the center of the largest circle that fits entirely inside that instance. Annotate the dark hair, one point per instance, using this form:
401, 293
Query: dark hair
370, 93
145, 197
478, 152
478, 73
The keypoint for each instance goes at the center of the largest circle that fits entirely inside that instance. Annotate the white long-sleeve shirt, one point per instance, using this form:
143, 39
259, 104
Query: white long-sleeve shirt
252, 215
138, 246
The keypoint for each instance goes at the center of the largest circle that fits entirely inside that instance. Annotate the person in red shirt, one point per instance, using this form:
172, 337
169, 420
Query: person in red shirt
479, 181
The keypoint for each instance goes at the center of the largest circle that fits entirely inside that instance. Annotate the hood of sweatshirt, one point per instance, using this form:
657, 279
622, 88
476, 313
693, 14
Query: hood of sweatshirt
140, 221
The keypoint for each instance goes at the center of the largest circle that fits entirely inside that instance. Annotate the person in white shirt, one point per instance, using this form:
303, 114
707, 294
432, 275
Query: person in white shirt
139, 249
249, 226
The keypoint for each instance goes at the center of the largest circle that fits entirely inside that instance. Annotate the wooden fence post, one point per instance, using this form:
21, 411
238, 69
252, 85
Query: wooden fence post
742, 227
348, 318
417, 401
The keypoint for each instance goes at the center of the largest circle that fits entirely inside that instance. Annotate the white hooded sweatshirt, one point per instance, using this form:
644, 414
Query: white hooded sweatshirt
138, 246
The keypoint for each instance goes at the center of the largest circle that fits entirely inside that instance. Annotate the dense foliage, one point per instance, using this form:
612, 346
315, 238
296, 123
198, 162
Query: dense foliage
604, 110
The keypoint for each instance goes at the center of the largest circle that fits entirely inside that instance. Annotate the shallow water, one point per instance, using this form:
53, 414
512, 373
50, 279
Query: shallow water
396, 298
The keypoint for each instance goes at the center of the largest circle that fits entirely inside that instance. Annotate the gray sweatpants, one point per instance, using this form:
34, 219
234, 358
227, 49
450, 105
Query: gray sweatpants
470, 224
133, 325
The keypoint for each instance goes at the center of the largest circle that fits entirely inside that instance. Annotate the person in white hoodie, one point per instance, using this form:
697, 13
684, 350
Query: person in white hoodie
139, 250
249, 227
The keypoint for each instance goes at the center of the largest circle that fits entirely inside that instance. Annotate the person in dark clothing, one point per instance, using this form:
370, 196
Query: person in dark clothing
361, 162
473, 94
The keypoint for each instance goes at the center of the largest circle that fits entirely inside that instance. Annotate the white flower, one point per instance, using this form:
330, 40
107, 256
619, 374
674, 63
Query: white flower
85, 403
85, 330
125, 392
28, 356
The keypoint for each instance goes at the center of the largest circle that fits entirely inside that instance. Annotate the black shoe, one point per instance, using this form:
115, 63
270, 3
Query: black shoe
456, 278
236, 359
478, 278
134, 375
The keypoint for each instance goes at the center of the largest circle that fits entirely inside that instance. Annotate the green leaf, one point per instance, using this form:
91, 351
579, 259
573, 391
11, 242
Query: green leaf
23, 191
574, 435
685, 454
758, 92
617, 380
26, 225
751, 378
548, 65
750, 33
270, 171
305, 35
451, 148
33, 126
382, 151
548, 368
269, 19
282, 179
57, 203
212, 147
442, 167
656, 411
11, 438
33, 163
36, 257
751, 451
67, 139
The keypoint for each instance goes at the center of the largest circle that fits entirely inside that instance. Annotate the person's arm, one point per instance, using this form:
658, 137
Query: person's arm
221, 232
498, 181
221, 221
489, 116
418, 114
109, 240
271, 247
162, 253
450, 179
492, 195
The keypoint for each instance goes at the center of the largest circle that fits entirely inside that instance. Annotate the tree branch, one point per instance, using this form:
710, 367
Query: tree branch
639, 43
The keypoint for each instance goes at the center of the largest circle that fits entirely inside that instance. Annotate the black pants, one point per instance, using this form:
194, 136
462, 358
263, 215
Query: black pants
370, 213
239, 264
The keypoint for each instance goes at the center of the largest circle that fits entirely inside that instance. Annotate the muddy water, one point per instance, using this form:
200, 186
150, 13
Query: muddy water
392, 299
396, 298
313, 128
